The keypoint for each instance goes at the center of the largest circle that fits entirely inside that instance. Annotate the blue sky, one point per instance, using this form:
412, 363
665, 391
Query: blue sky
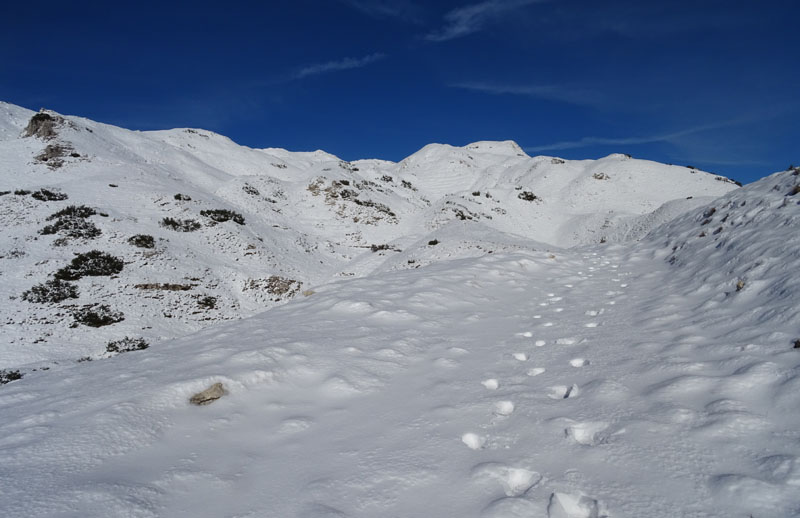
714, 84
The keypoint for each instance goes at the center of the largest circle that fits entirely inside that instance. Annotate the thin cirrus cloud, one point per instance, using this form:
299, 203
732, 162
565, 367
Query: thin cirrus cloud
561, 93
337, 65
473, 18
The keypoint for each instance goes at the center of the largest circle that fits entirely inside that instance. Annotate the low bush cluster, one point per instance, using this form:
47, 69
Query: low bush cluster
142, 241
126, 345
183, 197
223, 215
51, 292
49, 195
90, 264
7, 376
180, 225
97, 315
72, 221
207, 302
527, 196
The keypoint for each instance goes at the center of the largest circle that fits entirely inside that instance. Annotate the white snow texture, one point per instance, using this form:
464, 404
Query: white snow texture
527, 337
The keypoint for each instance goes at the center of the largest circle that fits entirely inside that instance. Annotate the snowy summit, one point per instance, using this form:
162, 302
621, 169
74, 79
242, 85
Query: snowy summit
193, 327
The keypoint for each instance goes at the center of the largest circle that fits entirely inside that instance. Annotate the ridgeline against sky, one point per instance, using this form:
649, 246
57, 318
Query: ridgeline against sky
707, 83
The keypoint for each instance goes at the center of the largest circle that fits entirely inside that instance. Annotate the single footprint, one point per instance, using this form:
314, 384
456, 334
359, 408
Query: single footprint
579, 362
503, 408
563, 505
521, 357
473, 440
536, 371
514, 481
563, 391
491, 384
586, 433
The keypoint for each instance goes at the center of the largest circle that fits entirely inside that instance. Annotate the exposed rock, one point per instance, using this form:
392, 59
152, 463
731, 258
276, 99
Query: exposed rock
43, 125
209, 395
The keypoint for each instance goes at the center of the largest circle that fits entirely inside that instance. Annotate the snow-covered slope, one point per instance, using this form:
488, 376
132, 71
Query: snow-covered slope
611, 380
308, 218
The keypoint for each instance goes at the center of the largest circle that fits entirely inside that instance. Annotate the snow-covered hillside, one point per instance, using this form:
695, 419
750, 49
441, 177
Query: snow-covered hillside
659, 378
292, 221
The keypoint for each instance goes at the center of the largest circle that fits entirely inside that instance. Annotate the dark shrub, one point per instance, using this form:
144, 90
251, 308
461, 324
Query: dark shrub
9, 376
73, 211
72, 227
527, 196
142, 241
378, 248
223, 215
3, 193
207, 302
52, 291
127, 345
387, 178
183, 197
22, 192
249, 189
180, 225
97, 316
433, 242
92, 264
48, 195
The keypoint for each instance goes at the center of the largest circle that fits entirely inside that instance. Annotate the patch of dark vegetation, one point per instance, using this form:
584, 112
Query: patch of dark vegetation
75, 155
51, 292
556, 161
380, 207
97, 315
407, 185
280, 287
379, 248
180, 225
43, 125
182, 197
113, 185
3, 193
163, 286
48, 195
126, 345
142, 241
7, 376
207, 302
249, 189
727, 180
22, 192
601, 176
73, 211
223, 215
527, 196
476, 193
433, 242
386, 178
797, 344
794, 190
90, 264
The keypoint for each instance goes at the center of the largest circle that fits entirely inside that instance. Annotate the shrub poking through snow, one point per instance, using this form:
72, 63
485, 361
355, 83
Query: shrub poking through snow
90, 264
22, 192
97, 316
126, 345
183, 197
73, 211
51, 292
142, 241
527, 196
180, 225
249, 189
72, 221
223, 215
7, 376
207, 302
433, 242
48, 195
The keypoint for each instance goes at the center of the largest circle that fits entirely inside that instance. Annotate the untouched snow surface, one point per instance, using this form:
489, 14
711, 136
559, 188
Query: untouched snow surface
653, 379
309, 218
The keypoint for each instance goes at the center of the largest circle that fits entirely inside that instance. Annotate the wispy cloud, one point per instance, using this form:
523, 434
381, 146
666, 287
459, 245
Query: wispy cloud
562, 93
472, 18
337, 65
399, 9
600, 141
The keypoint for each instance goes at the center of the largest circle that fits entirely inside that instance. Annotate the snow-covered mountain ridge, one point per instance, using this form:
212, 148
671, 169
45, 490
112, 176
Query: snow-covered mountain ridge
308, 218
